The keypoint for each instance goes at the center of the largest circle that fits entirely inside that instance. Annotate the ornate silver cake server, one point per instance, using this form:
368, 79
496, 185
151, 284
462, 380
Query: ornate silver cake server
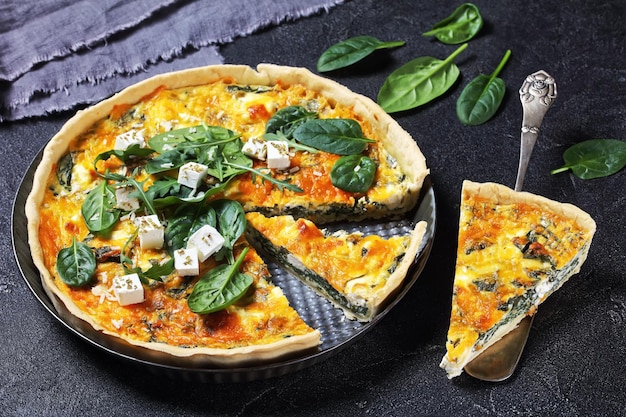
498, 362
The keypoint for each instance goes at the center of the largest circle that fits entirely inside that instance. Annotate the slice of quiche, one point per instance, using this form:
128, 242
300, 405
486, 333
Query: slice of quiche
356, 272
514, 250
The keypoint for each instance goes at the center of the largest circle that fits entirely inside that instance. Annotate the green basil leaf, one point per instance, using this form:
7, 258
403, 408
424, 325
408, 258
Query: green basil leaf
350, 51
418, 82
186, 220
482, 97
594, 158
76, 264
461, 26
219, 287
99, 210
338, 136
287, 119
353, 173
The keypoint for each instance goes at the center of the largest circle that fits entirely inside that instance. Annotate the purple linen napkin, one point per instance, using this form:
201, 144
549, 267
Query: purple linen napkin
181, 35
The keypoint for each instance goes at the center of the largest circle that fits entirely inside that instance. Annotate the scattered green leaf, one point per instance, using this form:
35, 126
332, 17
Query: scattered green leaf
482, 97
350, 51
594, 158
418, 82
461, 26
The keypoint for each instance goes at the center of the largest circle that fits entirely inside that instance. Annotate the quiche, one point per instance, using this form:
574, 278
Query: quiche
356, 272
136, 217
514, 250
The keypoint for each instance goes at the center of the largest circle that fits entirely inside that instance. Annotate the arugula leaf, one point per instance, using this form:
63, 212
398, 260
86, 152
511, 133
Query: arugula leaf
338, 136
201, 134
76, 264
125, 155
418, 82
219, 287
350, 51
482, 97
461, 26
594, 158
138, 188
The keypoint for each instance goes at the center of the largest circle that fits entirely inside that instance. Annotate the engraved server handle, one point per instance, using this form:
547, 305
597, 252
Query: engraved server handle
537, 95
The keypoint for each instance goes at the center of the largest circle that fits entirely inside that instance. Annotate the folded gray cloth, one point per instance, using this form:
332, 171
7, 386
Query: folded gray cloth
93, 62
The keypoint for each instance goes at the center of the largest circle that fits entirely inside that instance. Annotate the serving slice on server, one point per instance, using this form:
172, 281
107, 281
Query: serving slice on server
514, 250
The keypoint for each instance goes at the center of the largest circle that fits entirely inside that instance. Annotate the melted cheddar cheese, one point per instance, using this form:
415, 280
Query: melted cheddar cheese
510, 257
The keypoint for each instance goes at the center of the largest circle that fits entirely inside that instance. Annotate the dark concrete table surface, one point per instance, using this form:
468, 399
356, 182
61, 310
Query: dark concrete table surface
574, 363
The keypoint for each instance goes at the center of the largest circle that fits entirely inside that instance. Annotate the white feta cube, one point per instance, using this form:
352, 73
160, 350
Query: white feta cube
186, 262
192, 174
255, 148
151, 232
128, 289
124, 199
277, 154
207, 241
132, 137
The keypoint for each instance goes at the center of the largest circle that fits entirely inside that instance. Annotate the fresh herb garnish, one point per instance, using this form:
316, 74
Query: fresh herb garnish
594, 158
76, 264
482, 97
98, 209
219, 287
350, 51
338, 136
461, 26
418, 82
353, 173
231, 223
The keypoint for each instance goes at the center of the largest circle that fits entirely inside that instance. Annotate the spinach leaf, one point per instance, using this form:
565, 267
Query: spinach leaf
461, 26
594, 158
482, 97
338, 136
185, 220
76, 264
287, 119
350, 51
171, 159
99, 210
219, 287
64, 170
231, 223
353, 173
417, 82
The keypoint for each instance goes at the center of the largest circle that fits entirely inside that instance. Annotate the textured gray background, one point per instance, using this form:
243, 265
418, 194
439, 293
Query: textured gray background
574, 361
